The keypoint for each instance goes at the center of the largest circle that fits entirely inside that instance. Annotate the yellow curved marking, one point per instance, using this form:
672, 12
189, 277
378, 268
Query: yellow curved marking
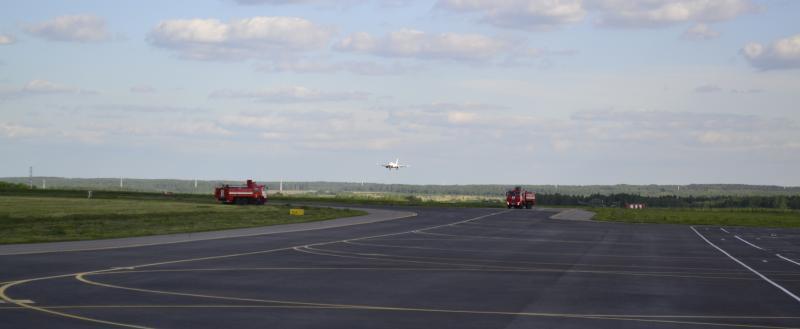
168, 306
5, 297
82, 277
80, 307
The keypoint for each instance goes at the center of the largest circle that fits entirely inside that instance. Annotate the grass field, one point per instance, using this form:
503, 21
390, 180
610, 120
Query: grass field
393, 200
699, 216
25, 219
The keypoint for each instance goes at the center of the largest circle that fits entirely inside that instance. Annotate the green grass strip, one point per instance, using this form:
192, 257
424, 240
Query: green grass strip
48, 219
700, 216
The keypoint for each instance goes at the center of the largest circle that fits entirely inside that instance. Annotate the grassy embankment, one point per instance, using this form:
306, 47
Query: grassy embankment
392, 200
29, 218
702, 216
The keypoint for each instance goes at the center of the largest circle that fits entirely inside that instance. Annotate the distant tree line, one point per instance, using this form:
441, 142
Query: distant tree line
13, 186
667, 196
722, 201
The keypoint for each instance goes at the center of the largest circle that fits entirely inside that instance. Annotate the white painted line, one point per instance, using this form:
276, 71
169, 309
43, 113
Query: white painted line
745, 241
724, 230
787, 259
747, 267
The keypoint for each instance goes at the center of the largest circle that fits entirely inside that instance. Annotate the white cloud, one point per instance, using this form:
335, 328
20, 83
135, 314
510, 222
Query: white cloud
201, 128
294, 94
520, 14
700, 31
47, 87
418, 44
545, 14
76, 28
41, 87
727, 138
444, 115
112, 130
322, 3
6, 39
338, 3
706, 89
654, 13
274, 2
256, 37
317, 130
321, 66
143, 89
145, 108
697, 130
781, 54
12, 130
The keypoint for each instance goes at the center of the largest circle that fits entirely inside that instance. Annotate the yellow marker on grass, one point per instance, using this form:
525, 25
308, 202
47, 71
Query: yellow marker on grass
296, 212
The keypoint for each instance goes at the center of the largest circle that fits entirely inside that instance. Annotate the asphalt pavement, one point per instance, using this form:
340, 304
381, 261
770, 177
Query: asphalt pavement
443, 268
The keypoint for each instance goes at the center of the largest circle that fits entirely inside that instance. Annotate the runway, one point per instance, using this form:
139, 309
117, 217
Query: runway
444, 268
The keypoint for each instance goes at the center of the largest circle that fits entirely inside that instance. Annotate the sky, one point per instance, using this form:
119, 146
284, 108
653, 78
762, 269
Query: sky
572, 92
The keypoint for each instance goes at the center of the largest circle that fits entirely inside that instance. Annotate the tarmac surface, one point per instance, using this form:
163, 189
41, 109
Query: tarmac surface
444, 268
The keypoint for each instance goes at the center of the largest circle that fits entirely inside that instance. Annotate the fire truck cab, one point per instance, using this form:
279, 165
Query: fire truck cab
518, 198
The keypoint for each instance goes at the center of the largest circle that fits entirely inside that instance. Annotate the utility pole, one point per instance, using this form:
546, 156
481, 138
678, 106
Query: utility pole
30, 177
280, 187
195, 183
44, 184
120, 183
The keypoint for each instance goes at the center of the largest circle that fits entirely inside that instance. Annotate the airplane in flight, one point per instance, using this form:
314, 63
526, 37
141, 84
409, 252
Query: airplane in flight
393, 165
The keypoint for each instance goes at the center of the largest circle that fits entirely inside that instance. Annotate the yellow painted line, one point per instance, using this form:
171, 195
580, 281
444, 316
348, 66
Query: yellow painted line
62, 307
23, 301
655, 316
6, 298
309, 250
473, 268
245, 269
652, 319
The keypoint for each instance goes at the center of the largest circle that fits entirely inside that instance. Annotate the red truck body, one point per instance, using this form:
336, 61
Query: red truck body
519, 198
251, 193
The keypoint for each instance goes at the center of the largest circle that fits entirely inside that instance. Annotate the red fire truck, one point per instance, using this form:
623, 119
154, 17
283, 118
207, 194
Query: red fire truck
519, 198
251, 193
